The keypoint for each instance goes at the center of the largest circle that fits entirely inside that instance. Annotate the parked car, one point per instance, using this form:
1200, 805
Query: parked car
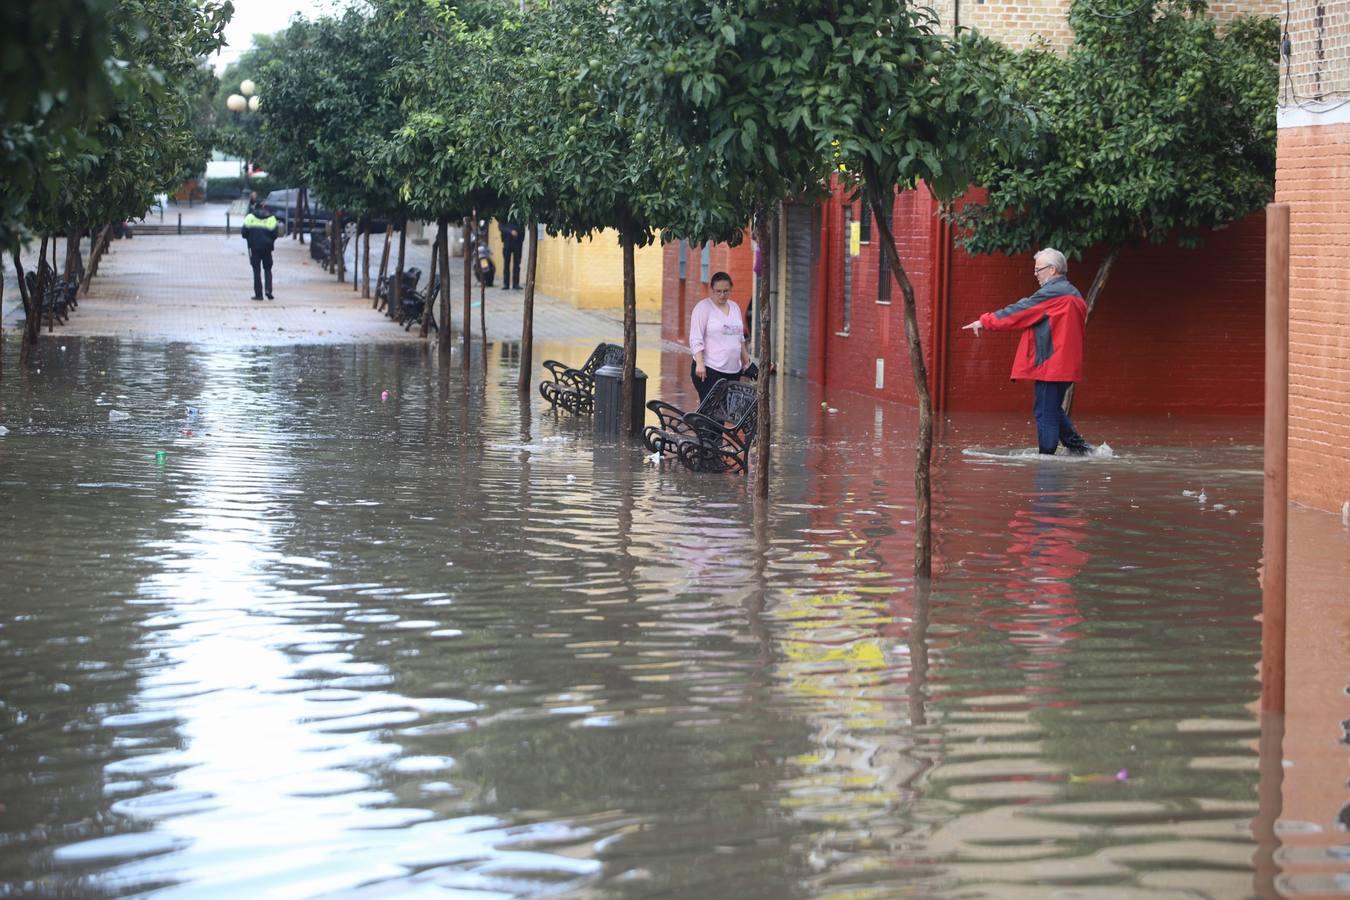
283, 206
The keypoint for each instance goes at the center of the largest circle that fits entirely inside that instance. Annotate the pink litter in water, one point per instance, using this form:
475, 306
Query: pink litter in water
384, 395
1123, 775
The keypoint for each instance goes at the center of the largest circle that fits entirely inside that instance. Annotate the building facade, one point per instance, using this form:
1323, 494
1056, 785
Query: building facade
840, 316
1313, 177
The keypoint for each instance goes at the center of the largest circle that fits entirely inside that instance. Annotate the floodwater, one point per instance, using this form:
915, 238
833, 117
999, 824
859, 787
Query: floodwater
333, 645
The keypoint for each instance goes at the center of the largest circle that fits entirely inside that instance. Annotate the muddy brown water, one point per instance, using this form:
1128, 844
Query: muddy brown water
435, 645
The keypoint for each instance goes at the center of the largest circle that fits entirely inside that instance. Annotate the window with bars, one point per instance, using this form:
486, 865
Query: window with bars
684, 259
705, 262
865, 222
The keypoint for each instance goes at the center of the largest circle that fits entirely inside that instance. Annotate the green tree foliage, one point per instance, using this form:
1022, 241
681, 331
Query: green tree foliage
1156, 126
75, 155
325, 110
570, 153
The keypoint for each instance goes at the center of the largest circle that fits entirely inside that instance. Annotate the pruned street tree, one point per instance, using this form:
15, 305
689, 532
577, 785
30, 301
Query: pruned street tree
764, 92
576, 159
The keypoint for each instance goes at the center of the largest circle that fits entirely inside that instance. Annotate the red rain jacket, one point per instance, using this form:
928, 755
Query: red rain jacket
1052, 322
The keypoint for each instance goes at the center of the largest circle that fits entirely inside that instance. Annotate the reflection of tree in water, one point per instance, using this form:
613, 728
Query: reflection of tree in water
853, 660
72, 646
602, 691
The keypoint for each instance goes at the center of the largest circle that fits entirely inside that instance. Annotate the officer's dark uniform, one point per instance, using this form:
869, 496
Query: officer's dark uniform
261, 234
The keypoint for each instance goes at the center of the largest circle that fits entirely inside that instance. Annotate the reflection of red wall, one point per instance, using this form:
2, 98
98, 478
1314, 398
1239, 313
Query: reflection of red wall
1175, 330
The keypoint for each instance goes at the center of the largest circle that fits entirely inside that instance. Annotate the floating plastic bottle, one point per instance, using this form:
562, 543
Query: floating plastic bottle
161, 456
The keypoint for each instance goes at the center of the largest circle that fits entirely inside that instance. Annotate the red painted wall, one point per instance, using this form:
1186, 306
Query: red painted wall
1175, 331
876, 329
678, 297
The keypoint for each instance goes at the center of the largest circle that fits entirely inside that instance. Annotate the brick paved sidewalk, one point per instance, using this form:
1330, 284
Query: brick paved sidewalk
197, 288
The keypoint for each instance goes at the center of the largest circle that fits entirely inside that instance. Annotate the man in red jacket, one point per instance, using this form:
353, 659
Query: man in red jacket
1051, 350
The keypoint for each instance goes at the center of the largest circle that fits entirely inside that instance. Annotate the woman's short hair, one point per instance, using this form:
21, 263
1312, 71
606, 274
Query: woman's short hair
719, 276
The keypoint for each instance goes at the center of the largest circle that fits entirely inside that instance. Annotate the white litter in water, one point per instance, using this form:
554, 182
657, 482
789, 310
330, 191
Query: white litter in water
1201, 497
832, 410
3, 431
116, 415
571, 478
557, 438
1188, 493
655, 458
1219, 506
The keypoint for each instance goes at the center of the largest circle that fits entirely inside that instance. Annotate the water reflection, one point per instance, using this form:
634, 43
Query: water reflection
440, 643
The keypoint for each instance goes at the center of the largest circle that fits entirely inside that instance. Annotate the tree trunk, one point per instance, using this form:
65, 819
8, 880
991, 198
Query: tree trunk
482, 318
629, 330
923, 457
433, 283
29, 313
94, 255
365, 269
72, 250
396, 295
444, 224
301, 201
527, 323
1098, 283
468, 294
764, 414
46, 272
356, 256
384, 265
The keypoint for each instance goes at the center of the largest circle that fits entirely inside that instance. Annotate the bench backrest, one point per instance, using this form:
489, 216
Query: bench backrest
742, 405
603, 355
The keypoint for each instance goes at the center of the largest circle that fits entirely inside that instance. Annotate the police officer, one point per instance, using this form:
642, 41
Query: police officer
260, 231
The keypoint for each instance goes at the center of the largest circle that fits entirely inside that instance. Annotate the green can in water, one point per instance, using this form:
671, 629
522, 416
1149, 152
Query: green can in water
161, 455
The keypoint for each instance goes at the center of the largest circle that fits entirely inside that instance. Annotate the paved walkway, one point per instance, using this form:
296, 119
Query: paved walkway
197, 288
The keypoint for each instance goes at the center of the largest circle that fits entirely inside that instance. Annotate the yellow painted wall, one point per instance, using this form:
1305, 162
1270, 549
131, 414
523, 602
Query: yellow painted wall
589, 273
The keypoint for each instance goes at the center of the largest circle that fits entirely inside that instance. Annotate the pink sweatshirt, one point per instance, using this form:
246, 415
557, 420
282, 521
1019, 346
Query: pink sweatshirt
719, 335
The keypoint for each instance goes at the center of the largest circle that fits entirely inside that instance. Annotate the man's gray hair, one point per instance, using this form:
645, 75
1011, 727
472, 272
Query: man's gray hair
1052, 257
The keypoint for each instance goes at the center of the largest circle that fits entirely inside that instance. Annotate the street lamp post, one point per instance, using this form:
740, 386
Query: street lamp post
246, 101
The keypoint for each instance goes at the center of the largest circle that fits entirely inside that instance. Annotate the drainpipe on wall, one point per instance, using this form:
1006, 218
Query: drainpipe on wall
941, 303
1275, 511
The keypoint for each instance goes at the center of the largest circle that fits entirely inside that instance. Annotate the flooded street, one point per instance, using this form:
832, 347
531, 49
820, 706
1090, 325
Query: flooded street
438, 645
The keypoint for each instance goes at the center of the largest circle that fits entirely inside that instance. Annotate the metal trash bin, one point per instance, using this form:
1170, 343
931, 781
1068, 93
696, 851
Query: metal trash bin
609, 400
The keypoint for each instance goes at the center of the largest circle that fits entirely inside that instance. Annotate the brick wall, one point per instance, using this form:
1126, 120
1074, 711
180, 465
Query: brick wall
1028, 23
875, 330
1317, 66
679, 296
1175, 330
1313, 177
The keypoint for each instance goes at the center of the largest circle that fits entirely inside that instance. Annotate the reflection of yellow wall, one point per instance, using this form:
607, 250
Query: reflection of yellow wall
589, 273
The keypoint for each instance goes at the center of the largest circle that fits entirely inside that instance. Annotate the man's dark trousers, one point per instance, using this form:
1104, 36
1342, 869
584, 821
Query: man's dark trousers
511, 265
1053, 425
261, 260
